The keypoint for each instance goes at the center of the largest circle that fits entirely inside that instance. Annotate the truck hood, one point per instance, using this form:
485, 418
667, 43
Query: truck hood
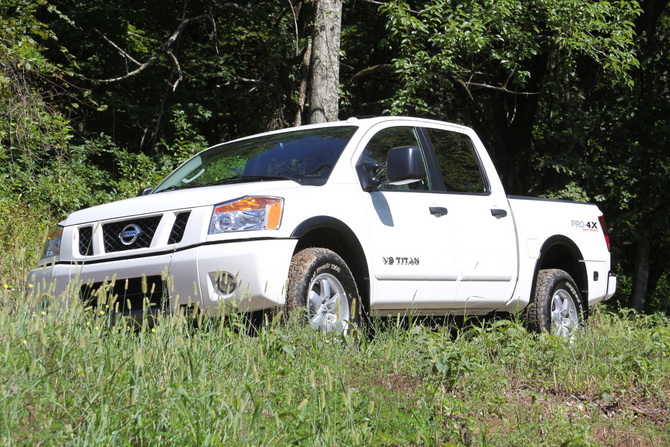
176, 200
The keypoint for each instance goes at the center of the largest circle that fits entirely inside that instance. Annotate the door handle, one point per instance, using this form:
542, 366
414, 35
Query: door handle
498, 213
438, 211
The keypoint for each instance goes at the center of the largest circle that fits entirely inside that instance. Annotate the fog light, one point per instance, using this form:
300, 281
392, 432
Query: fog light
226, 283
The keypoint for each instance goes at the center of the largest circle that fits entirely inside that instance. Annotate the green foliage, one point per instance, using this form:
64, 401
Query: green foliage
22, 228
446, 45
22, 35
38, 164
33, 145
187, 141
37, 183
572, 191
84, 381
658, 298
130, 172
232, 73
628, 144
41, 165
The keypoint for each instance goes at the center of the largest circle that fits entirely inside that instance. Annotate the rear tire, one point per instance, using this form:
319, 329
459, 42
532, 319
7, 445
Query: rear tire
557, 306
321, 282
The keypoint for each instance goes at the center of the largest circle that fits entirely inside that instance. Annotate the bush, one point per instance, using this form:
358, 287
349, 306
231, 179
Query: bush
22, 229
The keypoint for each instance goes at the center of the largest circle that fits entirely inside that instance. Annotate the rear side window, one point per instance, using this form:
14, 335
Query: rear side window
458, 161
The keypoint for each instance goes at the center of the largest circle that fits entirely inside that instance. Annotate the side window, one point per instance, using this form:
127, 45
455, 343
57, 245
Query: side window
458, 161
387, 139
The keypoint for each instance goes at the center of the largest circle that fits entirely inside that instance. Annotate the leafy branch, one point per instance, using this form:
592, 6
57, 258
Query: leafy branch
165, 48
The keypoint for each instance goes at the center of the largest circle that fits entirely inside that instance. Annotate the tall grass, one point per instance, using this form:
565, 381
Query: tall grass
67, 377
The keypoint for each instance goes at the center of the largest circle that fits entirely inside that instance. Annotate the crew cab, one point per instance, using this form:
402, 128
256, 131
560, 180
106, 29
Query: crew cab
360, 217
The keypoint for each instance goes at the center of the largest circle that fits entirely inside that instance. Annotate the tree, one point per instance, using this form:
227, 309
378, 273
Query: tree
630, 138
653, 160
325, 62
229, 66
38, 165
147, 57
494, 64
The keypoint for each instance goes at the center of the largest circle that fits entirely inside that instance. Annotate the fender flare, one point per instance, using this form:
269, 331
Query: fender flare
342, 239
575, 266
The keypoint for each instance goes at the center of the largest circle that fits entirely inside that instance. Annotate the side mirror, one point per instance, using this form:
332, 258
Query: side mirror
404, 165
367, 173
145, 191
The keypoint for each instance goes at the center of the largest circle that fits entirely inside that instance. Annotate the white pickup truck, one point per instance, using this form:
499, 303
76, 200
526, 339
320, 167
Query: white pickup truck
373, 216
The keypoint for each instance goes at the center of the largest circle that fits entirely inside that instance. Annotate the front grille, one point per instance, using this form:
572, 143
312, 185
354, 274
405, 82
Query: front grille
86, 241
178, 228
129, 234
124, 295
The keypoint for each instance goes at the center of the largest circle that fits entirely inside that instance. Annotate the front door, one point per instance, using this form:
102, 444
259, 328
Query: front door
413, 249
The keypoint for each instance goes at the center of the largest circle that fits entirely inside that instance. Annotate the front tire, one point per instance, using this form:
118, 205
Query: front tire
321, 282
557, 306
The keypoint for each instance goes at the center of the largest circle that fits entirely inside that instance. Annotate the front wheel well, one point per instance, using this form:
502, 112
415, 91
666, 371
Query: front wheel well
330, 233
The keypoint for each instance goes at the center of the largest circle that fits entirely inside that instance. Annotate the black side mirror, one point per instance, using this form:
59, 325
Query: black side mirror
404, 165
367, 173
145, 191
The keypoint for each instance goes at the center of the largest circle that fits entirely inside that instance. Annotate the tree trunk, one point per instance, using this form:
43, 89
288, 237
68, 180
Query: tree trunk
304, 82
324, 86
652, 84
641, 273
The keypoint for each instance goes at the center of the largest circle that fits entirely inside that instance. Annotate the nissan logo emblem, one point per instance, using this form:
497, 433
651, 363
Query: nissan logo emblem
129, 234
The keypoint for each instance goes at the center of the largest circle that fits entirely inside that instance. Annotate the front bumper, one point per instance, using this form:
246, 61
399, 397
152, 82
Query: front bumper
191, 276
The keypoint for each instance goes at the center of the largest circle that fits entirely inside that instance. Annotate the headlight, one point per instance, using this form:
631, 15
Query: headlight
52, 244
247, 214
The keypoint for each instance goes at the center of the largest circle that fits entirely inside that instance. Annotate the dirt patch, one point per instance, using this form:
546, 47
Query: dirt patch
616, 420
398, 383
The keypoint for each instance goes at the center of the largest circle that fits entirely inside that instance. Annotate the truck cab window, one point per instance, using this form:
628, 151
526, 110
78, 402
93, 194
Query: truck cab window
458, 161
384, 141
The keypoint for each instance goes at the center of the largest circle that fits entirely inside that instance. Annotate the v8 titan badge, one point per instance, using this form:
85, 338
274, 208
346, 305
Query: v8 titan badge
129, 234
400, 261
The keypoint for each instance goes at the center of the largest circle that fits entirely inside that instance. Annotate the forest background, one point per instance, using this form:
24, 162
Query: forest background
99, 99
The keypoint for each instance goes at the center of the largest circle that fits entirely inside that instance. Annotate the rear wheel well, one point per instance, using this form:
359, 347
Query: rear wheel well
561, 253
330, 233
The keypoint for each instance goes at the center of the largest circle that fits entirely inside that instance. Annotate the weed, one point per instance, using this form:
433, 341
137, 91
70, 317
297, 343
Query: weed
69, 377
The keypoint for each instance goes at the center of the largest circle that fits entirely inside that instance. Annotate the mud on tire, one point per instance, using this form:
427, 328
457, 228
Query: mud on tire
557, 306
321, 282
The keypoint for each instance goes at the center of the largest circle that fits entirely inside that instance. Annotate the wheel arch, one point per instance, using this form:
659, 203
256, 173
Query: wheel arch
560, 252
333, 234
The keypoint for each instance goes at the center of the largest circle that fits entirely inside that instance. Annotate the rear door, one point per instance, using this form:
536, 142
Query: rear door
480, 217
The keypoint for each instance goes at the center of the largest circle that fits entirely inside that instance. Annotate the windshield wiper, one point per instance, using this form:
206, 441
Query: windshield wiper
251, 178
173, 188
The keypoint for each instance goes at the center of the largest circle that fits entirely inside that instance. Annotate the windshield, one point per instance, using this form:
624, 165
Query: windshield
304, 156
